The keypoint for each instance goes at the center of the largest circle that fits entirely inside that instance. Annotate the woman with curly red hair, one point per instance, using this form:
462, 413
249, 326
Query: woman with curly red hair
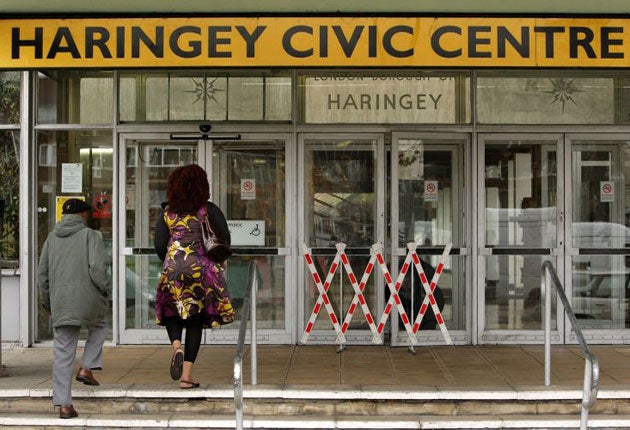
191, 291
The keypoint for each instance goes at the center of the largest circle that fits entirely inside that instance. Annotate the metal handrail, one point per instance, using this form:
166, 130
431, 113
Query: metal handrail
591, 364
248, 301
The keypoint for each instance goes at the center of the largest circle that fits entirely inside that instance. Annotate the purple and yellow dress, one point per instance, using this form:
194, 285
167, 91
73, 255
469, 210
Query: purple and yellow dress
191, 283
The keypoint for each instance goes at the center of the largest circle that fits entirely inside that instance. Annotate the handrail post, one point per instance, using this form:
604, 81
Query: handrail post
254, 334
250, 297
591, 365
586, 393
545, 286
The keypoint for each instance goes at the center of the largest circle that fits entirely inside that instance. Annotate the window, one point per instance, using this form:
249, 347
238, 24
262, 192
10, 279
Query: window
9, 165
186, 96
561, 97
75, 97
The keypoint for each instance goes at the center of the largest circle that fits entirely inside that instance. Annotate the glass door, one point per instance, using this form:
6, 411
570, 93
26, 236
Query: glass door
599, 238
342, 183
247, 179
146, 165
427, 207
248, 182
520, 216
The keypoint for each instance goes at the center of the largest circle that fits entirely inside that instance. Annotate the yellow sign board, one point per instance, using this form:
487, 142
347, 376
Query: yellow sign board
60, 200
314, 42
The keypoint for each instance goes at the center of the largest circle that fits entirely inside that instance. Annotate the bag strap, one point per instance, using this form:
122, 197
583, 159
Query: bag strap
205, 222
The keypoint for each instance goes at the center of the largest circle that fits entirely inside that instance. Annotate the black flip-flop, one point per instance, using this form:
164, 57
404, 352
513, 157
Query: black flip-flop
177, 364
192, 385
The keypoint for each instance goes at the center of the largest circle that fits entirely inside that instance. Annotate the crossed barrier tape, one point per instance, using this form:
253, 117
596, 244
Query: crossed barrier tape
323, 297
358, 293
429, 289
376, 255
394, 288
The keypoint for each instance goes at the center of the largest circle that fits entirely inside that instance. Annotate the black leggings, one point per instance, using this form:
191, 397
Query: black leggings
194, 329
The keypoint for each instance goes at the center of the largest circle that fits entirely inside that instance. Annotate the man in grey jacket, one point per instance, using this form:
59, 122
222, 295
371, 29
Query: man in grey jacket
74, 287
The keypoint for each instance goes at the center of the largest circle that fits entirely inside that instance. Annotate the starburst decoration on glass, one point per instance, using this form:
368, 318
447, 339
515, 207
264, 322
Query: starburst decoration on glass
205, 90
563, 91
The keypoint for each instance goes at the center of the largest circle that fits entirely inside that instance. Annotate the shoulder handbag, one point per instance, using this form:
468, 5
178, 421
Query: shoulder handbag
216, 251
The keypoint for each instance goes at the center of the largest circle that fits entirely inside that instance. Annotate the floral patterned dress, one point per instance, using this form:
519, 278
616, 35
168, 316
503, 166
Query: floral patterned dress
191, 283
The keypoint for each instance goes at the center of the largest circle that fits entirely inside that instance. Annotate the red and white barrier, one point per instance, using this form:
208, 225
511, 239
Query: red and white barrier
411, 260
428, 289
393, 289
323, 297
358, 293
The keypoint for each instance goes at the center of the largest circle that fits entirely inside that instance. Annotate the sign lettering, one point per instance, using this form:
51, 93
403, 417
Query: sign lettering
314, 41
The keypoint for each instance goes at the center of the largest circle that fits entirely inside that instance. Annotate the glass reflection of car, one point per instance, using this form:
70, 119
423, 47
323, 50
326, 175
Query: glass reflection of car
600, 281
597, 298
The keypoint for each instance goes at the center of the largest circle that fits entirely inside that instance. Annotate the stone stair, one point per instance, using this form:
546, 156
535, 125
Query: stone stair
316, 408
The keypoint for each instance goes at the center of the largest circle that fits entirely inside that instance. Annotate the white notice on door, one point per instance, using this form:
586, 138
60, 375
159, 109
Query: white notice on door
247, 232
71, 178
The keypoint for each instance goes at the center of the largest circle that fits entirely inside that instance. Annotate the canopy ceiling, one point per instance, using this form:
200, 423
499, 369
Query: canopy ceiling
28, 7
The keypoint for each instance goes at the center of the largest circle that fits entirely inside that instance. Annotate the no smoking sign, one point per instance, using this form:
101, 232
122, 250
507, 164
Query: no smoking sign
248, 189
430, 191
606, 191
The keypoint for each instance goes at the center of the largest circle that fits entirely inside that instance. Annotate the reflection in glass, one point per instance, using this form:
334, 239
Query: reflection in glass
425, 217
270, 309
340, 207
521, 195
10, 83
600, 282
10, 194
261, 164
68, 97
147, 168
340, 194
513, 300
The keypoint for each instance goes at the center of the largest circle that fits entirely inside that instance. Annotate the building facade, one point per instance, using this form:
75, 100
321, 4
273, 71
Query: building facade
505, 138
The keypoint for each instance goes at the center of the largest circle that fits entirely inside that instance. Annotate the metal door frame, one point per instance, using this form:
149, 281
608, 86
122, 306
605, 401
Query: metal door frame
573, 140
329, 336
461, 201
556, 253
204, 158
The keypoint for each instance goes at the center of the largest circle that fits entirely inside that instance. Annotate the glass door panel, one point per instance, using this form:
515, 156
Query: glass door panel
147, 165
247, 180
521, 214
427, 202
342, 203
249, 184
600, 237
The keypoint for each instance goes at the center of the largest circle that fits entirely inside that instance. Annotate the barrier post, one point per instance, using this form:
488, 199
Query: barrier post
323, 296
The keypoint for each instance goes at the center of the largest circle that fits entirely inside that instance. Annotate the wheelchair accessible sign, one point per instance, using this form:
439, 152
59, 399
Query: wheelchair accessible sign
247, 232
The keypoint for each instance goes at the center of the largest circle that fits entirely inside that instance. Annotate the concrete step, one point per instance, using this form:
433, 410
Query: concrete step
321, 402
309, 407
185, 420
